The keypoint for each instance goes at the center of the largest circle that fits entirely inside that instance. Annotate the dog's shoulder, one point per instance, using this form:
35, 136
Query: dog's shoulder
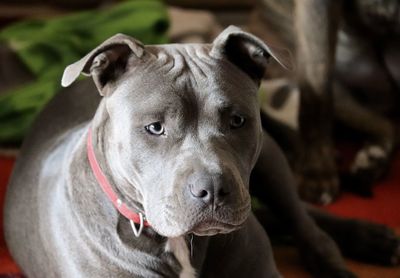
69, 108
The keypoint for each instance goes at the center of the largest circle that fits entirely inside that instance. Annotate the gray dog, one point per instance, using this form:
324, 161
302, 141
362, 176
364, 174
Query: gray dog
152, 178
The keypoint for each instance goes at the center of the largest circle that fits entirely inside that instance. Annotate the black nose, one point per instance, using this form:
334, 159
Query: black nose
208, 189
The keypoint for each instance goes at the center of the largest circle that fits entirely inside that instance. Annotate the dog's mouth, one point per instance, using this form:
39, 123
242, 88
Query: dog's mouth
173, 220
221, 222
213, 227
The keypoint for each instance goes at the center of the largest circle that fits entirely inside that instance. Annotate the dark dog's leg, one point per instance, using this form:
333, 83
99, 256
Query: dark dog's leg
273, 183
371, 161
354, 115
366, 68
359, 239
316, 23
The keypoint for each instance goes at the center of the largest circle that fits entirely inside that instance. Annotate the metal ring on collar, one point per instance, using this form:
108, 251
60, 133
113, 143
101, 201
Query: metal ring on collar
136, 231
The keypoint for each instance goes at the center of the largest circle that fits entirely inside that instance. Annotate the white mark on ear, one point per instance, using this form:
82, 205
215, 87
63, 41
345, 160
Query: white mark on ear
179, 247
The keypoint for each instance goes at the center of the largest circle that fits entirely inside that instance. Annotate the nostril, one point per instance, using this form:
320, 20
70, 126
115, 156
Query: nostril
200, 193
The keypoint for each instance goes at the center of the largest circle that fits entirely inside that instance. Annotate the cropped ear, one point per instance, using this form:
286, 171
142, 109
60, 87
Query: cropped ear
248, 52
105, 63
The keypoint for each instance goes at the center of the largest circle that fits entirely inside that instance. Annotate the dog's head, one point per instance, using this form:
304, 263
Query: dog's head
183, 125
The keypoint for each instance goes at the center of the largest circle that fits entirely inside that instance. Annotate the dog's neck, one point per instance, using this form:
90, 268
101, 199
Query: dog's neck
126, 190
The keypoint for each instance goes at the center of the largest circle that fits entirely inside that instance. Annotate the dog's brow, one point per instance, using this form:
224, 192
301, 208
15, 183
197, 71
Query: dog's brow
158, 113
225, 106
154, 115
228, 105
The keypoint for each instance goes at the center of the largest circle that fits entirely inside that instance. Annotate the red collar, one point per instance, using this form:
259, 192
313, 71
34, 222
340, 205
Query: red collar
106, 186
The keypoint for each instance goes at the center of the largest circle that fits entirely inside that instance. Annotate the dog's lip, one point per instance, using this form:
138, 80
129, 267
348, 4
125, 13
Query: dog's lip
212, 227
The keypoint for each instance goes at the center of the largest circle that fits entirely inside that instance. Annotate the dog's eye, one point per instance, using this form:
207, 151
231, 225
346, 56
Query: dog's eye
237, 121
155, 128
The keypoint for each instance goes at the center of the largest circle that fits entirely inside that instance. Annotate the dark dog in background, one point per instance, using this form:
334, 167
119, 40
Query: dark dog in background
347, 69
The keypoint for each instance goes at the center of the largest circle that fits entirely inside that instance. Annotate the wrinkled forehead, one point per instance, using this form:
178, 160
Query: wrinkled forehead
192, 63
180, 69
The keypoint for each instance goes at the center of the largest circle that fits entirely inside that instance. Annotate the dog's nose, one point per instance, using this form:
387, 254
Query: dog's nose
208, 189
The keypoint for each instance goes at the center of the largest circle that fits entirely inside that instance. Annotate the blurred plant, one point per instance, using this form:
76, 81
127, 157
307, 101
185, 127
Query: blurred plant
46, 47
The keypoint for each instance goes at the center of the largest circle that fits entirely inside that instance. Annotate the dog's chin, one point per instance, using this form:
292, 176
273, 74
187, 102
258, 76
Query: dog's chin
206, 224
203, 228
210, 228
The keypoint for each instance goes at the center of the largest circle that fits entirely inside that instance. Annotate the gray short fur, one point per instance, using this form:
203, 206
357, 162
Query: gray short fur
58, 222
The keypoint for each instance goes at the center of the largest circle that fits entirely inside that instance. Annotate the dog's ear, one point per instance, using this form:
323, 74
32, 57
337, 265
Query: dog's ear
106, 62
248, 52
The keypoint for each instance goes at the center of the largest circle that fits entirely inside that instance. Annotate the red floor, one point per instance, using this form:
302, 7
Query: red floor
7, 266
383, 208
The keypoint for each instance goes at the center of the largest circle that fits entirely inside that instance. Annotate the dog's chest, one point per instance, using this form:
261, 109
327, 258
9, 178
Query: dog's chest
180, 249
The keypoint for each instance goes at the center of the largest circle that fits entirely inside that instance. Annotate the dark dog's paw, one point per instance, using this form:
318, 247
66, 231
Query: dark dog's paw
369, 242
369, 157
370, 164
317, 176
322, 257
319, 189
